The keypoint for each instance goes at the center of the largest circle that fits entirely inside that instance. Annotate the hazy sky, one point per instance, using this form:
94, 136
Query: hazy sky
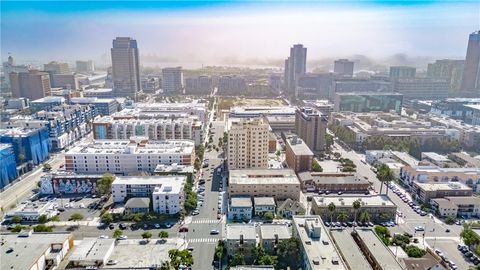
236, 32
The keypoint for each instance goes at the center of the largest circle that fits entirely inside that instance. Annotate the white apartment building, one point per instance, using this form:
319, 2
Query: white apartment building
169, 198
127, 156
145, 110
248, 144
166, 192
117, 128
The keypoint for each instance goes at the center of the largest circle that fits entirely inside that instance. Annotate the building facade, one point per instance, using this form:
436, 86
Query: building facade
248, 144
310, 126
33, 84
471, 72
295, 65
125, 67
297, 155
424, 192
172, 80
127, 156
422, 88
402, 72
278, 183
368, 102
343, 67
201, 85
8, 165
55, 67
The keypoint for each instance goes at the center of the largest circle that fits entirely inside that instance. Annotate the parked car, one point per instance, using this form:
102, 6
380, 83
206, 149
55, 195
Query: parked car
214, 232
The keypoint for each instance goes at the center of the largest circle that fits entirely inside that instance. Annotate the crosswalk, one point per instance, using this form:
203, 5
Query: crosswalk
205, 221
203, 240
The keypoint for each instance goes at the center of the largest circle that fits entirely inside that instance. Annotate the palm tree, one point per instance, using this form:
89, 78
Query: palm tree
331, 209
385, 175
364, 216
356, 206
342, 216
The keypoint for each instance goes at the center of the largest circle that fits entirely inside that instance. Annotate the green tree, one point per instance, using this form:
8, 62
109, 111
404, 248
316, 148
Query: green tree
42, 228
469, 237
76, 217
16, 219
42, 219
104, 185
278, 153
117, 233
147, 235
356, 207
331, 210
342, 216
328, 142
316, 166
180, 257
107, 218
289, 254
238, 259
163, 234
18, 228
165, 266
268, 216
383, 233
364, 216
414, 251
337, 155
47, 167
55, 218
384, 175
450, 220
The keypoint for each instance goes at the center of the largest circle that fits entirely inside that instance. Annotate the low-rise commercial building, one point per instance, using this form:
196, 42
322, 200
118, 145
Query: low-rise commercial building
437, 159
31, 211
299, 157
240, 208
105, 106
66, 183
409, 175
424, 192
46, 103
263, 205
91, 252
127, 156
166, 192
137, 205
333, 182
377, 254
278, 183
318, 250
380, 207
465, 207
34, 251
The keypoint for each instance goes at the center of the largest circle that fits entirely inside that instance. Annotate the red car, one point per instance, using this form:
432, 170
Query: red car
183, 229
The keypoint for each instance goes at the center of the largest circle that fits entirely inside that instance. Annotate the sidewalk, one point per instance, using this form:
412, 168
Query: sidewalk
93, 223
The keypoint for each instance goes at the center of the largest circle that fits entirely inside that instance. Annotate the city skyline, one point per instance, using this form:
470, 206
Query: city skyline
228, 33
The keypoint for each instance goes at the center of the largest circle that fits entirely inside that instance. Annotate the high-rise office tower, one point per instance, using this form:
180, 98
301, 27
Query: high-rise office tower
471, 70
402, 72
450, 70
343, 67
172, 80
125, 67
10, 66
55, 67
248, 144
310, 126
33, 84
85, 66
295, 65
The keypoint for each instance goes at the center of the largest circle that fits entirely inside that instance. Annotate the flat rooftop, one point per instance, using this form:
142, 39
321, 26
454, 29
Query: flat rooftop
347, 201
27, 250
150, 180
91, 249
241, 202
174, 168
321, 253
263, 176
331, 178
234, 231
134, 120
298, 146
350, 250
86, 100
130, 147
19, 131
435, 156
271, 231
382, 253
260, 201
442, 186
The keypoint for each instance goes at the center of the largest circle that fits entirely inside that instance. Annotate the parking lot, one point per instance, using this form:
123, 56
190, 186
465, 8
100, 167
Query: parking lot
449, 249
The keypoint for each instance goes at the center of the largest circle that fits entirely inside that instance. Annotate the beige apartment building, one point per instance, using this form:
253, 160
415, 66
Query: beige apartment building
248, 144
281, 184
426, 191
435, 174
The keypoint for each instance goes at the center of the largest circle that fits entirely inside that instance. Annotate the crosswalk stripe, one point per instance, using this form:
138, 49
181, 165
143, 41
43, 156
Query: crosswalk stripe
204, 221
203, 240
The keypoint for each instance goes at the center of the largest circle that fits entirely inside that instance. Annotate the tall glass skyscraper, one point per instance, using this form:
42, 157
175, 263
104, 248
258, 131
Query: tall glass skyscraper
125, 67
471, 71
295, 65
